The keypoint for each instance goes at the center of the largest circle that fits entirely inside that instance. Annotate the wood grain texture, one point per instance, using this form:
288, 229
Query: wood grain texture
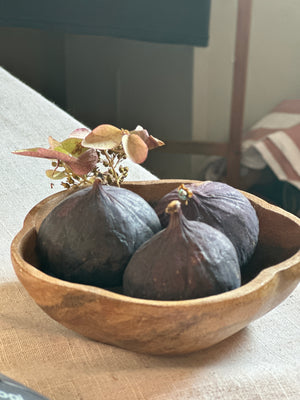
165, 327
238, 96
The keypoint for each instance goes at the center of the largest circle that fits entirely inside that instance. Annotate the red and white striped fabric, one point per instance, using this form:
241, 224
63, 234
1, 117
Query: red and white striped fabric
275, 141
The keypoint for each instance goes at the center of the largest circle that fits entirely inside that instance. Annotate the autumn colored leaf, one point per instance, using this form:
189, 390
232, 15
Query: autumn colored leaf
80, 166
40, 152
85, 163
79, 154
104, 137
153, 142
135, 148
80, 133
150, 140
53, 142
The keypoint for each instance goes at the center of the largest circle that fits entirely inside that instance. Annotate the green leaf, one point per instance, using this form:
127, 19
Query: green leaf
52, 174
71, 146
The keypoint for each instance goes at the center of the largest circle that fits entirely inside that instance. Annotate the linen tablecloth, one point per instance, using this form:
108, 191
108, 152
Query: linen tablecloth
259, 363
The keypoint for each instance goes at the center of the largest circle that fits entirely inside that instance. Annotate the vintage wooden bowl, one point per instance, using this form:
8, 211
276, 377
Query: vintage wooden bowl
165, 327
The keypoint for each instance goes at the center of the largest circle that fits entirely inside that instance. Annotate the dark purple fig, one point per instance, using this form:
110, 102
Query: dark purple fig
90, 236
221, 206
186, 260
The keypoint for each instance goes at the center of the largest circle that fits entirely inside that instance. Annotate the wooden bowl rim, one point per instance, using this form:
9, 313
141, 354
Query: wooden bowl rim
263, 278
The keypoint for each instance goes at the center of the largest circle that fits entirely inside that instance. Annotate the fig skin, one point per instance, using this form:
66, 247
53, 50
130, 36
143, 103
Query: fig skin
223, 207
90, 236
186, 260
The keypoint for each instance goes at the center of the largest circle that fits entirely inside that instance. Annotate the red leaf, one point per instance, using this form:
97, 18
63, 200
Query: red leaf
153, 142
84, 163
80, 166
40, 152
150, 140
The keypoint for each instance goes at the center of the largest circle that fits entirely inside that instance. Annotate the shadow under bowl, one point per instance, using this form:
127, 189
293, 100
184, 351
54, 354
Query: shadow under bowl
165, 327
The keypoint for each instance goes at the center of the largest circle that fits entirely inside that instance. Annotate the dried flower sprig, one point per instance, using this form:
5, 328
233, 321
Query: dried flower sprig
78, 159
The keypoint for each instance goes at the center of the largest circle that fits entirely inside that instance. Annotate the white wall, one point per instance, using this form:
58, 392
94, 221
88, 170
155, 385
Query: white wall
212, 74
212, 77
274, 57
273, 66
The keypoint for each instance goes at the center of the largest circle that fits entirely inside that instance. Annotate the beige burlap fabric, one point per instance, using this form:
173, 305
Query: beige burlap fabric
259, 363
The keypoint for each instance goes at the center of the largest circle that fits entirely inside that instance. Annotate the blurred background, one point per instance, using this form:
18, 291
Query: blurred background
175, 91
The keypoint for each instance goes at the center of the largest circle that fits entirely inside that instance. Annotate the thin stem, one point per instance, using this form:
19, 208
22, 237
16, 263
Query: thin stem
111, 165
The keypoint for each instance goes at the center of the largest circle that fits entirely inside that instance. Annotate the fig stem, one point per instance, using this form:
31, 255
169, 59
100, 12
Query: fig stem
173, 207
184, 194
